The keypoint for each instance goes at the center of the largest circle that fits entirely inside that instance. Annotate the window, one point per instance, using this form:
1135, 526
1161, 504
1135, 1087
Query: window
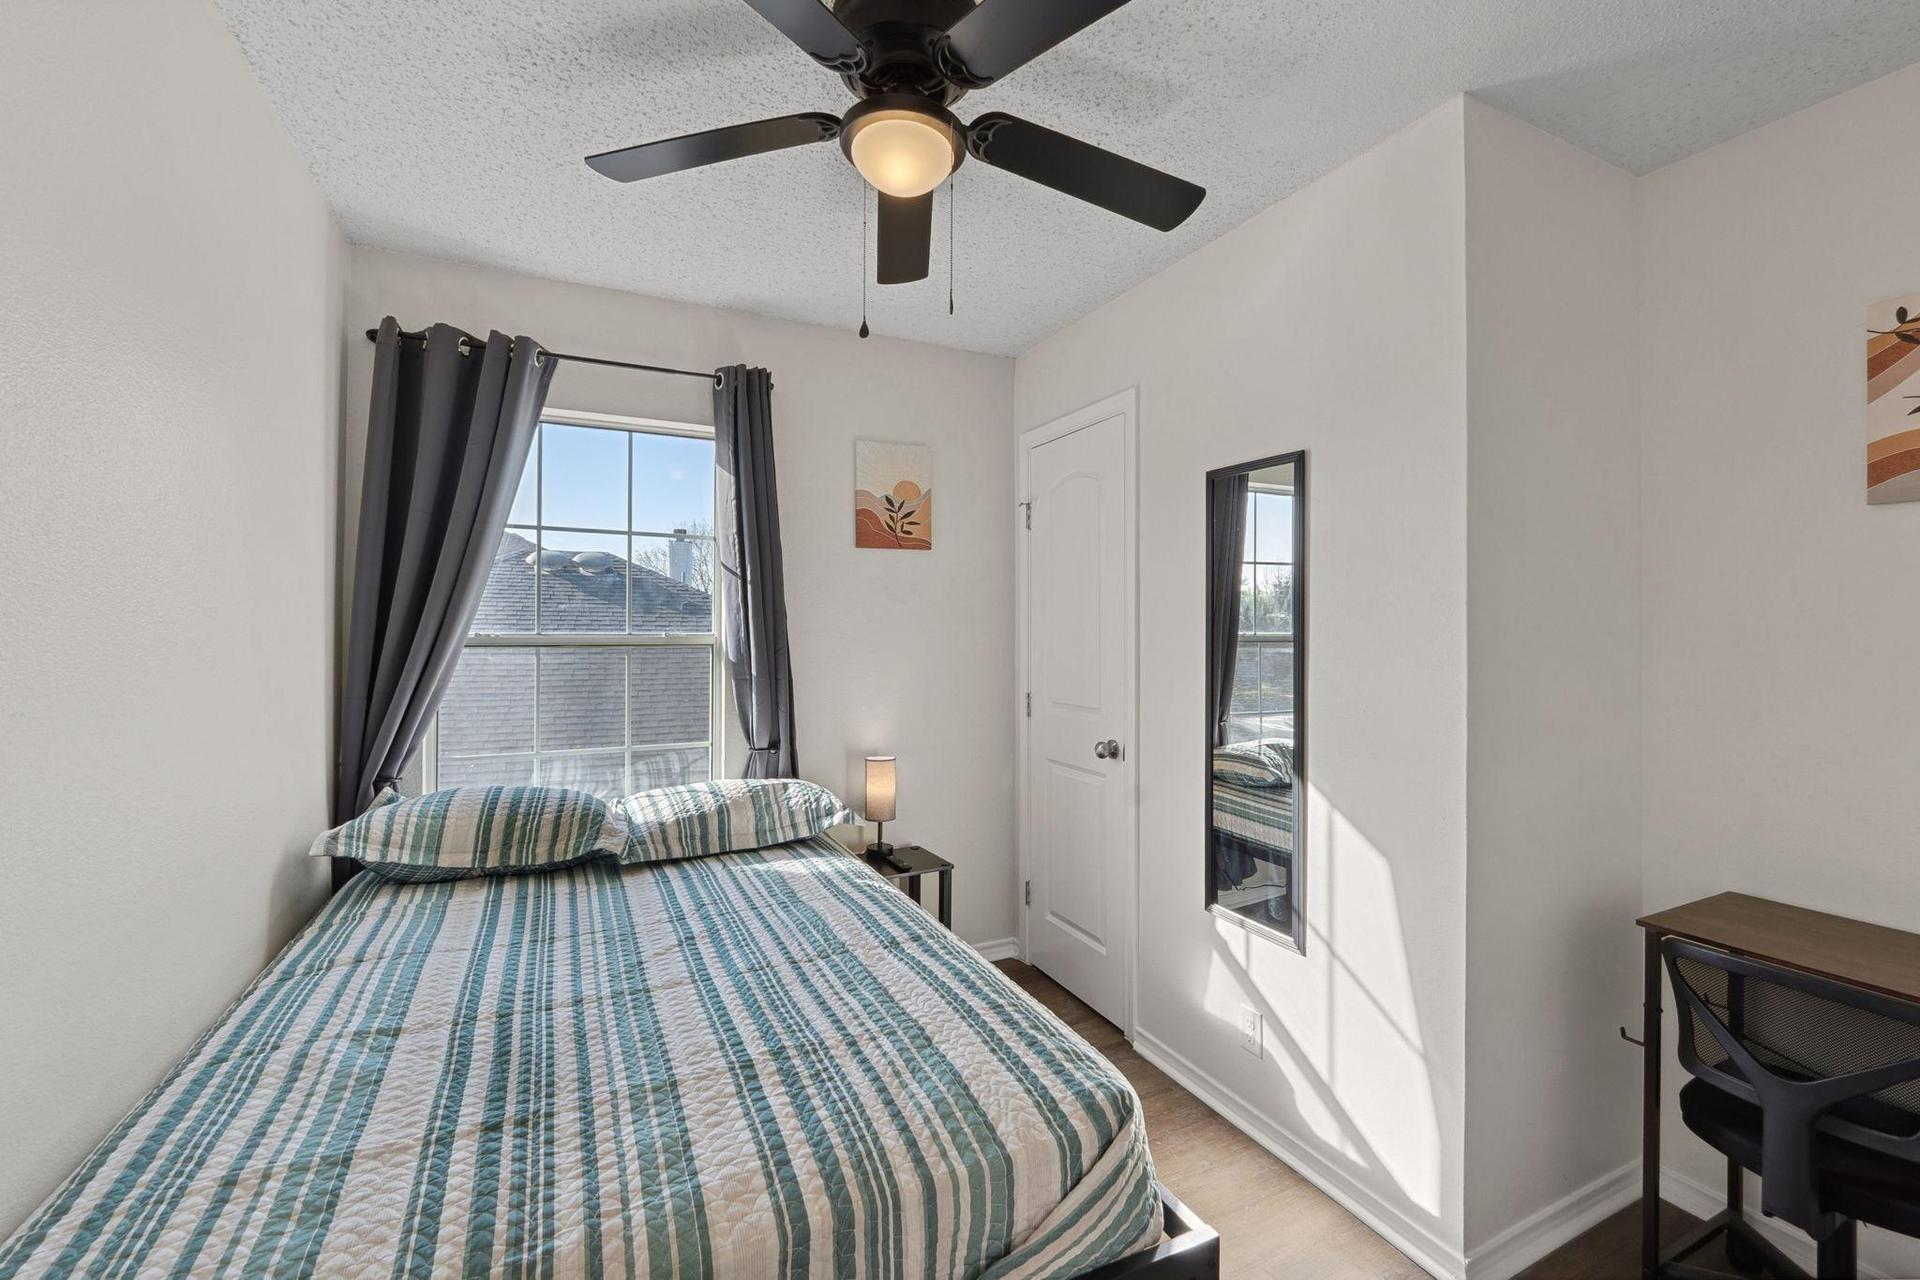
592, 660
1262, 706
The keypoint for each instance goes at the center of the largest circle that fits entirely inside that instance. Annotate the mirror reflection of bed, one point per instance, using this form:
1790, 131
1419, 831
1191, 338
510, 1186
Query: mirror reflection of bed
1255, 600
1253, 852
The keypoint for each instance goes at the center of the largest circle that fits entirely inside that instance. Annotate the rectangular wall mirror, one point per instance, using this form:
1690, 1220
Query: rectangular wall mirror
1256, 684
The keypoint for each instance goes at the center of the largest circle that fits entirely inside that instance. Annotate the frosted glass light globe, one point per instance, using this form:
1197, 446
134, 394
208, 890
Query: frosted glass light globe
901, 154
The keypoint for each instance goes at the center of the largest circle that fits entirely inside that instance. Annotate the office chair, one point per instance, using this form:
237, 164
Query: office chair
1812, 1084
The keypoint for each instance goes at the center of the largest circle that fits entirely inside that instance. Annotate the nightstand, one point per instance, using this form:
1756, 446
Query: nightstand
920, 862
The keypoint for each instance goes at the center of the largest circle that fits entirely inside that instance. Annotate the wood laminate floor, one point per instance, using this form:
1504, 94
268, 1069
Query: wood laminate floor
1273, 1223
1611, 1251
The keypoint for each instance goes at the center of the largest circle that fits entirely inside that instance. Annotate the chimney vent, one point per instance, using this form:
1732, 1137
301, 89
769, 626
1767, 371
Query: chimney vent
680, 558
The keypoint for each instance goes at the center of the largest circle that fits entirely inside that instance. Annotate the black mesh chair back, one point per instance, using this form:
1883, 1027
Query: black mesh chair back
1822, 1060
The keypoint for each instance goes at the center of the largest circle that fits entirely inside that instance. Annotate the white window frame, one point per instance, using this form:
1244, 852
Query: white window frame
720, 730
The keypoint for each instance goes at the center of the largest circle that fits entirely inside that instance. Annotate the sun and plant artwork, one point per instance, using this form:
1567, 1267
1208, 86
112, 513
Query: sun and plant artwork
1893, 400
892, 495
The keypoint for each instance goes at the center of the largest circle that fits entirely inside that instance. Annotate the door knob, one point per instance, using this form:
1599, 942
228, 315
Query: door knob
1108, 750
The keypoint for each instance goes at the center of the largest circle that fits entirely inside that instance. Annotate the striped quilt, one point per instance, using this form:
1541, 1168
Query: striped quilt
1262, 815
765, 1063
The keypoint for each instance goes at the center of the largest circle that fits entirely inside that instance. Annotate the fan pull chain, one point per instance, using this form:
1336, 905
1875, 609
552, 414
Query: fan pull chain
949, 246
863, 262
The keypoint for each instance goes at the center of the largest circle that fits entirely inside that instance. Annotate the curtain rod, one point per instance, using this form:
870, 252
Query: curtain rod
373, 335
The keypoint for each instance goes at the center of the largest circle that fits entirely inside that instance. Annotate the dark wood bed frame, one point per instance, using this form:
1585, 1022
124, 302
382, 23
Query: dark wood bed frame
1189, 1251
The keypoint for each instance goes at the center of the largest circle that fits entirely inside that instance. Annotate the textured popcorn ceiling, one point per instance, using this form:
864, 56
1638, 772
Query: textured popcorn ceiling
457, 131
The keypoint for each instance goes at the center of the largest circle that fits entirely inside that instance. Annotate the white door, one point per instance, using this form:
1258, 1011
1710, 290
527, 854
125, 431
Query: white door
1078, 766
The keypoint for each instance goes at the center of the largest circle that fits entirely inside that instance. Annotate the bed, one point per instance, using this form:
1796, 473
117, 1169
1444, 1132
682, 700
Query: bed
1252, 849
763, 1063
1257, 816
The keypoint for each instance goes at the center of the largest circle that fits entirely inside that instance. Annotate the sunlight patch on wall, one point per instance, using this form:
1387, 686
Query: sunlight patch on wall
1378, 1060
1348, 1071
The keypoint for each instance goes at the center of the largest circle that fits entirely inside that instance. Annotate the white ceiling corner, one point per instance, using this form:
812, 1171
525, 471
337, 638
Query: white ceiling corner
458, 131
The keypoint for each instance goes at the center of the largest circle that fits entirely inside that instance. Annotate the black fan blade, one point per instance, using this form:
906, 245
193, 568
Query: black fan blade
1083, 171
820, 35
906, 234
690, 151
1004, 35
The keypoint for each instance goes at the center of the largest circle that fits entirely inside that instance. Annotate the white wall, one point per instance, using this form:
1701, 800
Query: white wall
1333, 322
909, 653
1553, 734
169, 401
1781, 704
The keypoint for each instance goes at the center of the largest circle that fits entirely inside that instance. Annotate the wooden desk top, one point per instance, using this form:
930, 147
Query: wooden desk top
1829, 946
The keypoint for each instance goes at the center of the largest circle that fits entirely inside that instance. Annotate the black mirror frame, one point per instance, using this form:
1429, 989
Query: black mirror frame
1297, 939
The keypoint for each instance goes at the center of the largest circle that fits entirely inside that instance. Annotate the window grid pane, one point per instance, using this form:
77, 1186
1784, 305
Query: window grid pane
656, 767
671, 485
679, 685
581, 580
582, 700
583, 482
488, 706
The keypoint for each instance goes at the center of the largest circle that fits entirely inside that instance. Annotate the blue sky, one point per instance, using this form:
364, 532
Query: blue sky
583, 477
1270, 527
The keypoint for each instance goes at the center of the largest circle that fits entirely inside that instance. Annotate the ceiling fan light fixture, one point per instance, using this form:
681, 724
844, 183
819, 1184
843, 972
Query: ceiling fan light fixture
902, 145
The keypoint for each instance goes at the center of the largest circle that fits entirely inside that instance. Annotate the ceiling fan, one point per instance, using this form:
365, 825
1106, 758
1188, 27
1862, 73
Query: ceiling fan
907, 62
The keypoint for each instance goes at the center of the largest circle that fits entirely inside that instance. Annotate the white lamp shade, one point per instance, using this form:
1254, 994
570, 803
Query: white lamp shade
880, 781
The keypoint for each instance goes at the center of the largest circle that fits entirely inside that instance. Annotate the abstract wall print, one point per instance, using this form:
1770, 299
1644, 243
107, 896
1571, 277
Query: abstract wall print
892, 495
1893, 400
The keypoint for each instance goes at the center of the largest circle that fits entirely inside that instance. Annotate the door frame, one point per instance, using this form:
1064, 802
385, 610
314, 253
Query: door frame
1125, 406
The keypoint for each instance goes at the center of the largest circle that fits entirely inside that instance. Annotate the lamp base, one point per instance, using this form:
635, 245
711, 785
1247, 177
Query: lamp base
882, 852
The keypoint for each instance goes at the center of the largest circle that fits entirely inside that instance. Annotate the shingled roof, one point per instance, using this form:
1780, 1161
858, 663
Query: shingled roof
576, 599
619, 704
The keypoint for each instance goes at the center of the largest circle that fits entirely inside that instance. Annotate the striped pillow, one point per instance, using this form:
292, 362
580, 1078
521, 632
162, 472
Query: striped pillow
700, 818
1254, 764
477, 831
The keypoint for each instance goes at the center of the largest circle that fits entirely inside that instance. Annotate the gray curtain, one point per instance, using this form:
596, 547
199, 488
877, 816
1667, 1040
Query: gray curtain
1226, 540
448, 431
747, 546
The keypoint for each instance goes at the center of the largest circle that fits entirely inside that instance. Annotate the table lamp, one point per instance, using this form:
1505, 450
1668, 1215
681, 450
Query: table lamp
880, 806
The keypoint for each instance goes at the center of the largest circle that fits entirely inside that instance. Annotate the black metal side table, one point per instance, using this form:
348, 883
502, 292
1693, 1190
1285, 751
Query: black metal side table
911, 862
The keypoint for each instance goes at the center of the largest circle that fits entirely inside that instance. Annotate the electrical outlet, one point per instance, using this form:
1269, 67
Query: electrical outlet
1250, 1037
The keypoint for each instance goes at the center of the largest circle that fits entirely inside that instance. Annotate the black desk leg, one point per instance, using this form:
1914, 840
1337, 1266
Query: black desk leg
913, 888
1838, 1254
1650, 1115
1736, 1023
946, 898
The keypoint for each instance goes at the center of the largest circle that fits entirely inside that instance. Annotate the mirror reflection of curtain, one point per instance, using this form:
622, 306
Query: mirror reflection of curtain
1226, 547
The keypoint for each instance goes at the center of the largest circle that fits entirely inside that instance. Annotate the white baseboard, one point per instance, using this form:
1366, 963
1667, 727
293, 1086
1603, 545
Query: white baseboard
1684, 1191
1535, 1236
1406, 1235
998, 948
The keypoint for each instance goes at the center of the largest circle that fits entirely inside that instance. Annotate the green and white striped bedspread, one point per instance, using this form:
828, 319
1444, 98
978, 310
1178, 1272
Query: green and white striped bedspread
759, 1064
1263, 815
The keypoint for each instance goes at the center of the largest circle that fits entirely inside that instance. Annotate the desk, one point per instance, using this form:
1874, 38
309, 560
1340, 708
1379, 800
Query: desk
1851, 951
